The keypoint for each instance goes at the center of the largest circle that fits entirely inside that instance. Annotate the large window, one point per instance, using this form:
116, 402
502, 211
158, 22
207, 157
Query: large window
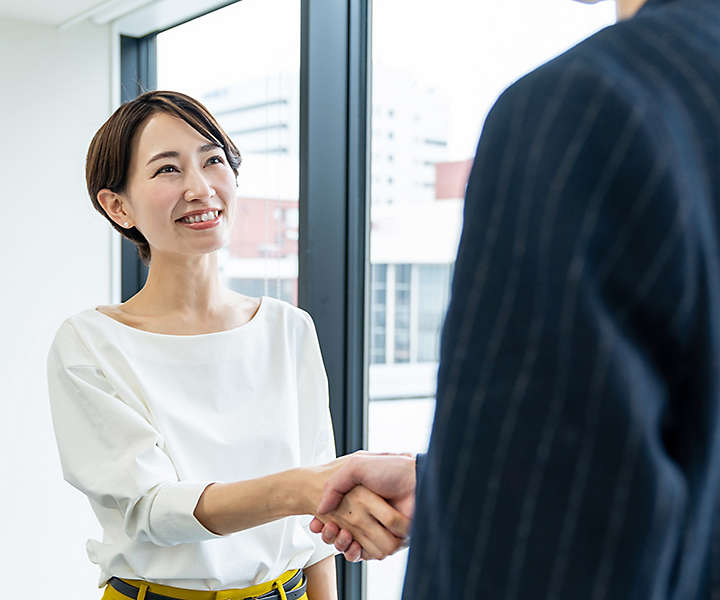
435, 75
297, 108
243, 63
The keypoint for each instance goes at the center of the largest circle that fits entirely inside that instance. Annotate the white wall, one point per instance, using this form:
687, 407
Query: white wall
56, 260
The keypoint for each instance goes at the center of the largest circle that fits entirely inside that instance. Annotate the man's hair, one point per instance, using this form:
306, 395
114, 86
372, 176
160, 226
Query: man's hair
109, 154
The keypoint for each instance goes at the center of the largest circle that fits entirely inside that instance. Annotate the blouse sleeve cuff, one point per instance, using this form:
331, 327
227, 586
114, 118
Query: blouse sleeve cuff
322, 551
173, 519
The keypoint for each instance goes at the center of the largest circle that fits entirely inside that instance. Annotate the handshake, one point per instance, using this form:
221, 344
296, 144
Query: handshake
366, 504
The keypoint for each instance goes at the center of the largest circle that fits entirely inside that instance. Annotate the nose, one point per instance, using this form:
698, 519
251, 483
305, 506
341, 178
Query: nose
197, 186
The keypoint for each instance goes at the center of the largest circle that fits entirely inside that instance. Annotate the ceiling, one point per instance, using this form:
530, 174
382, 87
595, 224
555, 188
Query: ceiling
50, 12
68, 12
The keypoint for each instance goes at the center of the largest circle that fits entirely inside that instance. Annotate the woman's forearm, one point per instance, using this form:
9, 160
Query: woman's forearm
321, 582
225, 508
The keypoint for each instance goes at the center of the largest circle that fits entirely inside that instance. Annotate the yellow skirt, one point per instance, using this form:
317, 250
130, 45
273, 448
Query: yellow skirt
184, 594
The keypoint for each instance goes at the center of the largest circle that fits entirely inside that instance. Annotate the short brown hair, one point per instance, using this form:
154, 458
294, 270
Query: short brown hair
108, 157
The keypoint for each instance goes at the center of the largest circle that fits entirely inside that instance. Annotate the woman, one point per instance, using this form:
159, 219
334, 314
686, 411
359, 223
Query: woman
190, 412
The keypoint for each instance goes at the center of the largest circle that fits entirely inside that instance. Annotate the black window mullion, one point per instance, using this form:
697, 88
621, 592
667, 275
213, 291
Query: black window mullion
138, 74
334, 214
358, 218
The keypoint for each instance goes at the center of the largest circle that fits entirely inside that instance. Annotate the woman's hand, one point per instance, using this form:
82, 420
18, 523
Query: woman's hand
368, 519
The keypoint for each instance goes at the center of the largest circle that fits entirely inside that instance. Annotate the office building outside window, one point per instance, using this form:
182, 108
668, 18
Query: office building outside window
435, 75
378, 317
243, 63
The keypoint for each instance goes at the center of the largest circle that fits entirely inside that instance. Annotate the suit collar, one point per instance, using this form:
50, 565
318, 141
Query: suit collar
655, 3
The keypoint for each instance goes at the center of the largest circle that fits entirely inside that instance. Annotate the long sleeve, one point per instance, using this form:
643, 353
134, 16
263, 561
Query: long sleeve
561, 463
113, 454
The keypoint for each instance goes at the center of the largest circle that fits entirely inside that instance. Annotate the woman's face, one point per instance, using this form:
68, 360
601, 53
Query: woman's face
175, 172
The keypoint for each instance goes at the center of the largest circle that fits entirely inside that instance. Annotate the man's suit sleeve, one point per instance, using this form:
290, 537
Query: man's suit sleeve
558, 352
419, 460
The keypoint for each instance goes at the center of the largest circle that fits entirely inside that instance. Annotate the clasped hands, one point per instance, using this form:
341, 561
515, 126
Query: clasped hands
366, 504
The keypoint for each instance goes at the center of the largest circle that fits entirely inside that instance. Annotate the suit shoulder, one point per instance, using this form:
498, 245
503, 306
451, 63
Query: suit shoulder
612, 59
562, 92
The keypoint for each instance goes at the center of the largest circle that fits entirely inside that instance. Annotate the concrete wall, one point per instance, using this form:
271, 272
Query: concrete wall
56, 260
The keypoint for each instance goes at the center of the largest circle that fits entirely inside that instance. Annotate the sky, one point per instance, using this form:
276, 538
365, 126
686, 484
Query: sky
470, 49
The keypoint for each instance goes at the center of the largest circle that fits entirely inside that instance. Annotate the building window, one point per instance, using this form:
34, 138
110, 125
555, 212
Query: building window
259, 108
402, 313
284, 289
432, 290
378, 315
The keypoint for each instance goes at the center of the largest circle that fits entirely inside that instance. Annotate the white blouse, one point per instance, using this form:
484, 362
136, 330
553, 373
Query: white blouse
144, 422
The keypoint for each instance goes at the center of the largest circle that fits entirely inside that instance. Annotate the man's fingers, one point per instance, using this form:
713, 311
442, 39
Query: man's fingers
354, 552
367, 517
376, 541
396, 523
343, 540
316, 525
330, 532
393, 520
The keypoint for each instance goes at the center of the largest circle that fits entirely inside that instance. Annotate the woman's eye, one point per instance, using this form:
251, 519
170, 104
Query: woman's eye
217, 160
163, 169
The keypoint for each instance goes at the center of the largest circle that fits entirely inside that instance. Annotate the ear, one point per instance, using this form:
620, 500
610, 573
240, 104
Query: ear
115, 207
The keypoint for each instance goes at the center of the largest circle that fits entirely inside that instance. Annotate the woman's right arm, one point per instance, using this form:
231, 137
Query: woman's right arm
111, 452
224, 508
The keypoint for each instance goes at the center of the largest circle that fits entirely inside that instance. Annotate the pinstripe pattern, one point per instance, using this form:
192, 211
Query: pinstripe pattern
575, 450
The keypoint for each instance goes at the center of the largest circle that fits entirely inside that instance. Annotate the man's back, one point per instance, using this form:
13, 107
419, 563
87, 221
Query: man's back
575, 451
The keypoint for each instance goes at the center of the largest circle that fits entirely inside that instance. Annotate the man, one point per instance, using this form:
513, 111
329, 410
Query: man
575, 449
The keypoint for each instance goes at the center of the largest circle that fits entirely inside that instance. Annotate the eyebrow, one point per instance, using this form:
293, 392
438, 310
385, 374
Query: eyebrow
176, 154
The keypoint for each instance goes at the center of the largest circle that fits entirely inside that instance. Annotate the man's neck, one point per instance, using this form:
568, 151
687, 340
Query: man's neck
628, 8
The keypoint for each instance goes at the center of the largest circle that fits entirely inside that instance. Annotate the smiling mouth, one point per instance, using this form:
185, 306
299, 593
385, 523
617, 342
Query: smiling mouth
210, 223
206, 217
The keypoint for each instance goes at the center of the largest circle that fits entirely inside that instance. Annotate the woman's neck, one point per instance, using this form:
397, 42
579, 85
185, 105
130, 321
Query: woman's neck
628, 8
181, 285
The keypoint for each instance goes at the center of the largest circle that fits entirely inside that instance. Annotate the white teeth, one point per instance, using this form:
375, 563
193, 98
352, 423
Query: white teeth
206, 216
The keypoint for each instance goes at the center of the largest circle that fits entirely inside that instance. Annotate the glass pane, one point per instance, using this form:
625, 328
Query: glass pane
243, 63
435, 76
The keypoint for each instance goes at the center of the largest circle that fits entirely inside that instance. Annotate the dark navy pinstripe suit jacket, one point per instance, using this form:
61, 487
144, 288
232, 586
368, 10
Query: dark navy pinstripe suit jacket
575, 450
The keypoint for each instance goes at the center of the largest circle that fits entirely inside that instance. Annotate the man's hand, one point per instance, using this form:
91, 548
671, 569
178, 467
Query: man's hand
391, 476
369, 519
